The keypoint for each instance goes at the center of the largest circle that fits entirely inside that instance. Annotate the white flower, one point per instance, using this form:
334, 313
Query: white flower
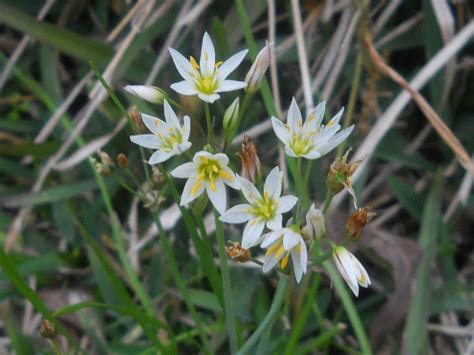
169, 138
261, 210
310, 140
207, 78
280, 245
207, 172
315, 222
146, 92
351, 269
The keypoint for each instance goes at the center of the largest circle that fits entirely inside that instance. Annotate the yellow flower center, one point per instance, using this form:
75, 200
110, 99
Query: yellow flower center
206, 84
265, 208
171, 139
210, 170
300, 144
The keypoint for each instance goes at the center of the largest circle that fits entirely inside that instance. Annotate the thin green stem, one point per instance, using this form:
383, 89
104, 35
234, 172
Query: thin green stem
299, 188
56, 347
210, 133
352, 101
327, 202
350, 308
228, 302
277, 302
173, 264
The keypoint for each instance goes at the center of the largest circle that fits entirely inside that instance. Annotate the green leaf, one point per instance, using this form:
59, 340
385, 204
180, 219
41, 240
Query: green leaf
411, 200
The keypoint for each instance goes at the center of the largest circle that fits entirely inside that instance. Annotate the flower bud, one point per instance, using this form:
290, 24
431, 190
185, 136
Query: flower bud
340, 176
315, 223
148, 93
122, 160
237, 253
47, 329
249, 158
231, 118
356, 223
106, 165
257, 71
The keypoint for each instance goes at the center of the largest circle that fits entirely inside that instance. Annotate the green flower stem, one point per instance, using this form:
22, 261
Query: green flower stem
299, 188
277, 302
327, 202
210, 133
349, 306
173, 264
229, 303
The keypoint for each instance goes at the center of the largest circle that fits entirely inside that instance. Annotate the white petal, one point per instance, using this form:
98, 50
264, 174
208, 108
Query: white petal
344, 265
217, 196
231, 85
290, 239
313, 154
362, 273
237, 214
183, 65
183, 147
286, 203
154, 124
271, 238
221, 158
273, 183
201, 154
234, 183
290, 151
280, 130
270, 261
252, 232
187, 196
275, 223
295, 121
230, 64
185, 170
303, 256
146, 140
249, 190
209, 98
159, 156
186, 130
145, 92
335, 141
208, 56
315, 117
185, 88
337, 117
170, 116
296, 259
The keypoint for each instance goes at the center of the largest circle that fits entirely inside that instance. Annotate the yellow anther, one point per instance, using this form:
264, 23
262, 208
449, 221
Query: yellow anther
219, 63
284, 261
213, 187
311, 117
331, 123
194, 63
225, 175
197, 186
206, 56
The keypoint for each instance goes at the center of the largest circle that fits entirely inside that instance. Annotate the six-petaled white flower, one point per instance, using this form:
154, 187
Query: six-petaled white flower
207, 78
280, 245
261, 210
207, 172
310, 139
169, 138
351, 269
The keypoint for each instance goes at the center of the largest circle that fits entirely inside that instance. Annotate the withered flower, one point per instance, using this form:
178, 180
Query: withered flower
106, 166
340, 176
137, 118
237, 253
122, 160
357, 221
47, 329
250, 161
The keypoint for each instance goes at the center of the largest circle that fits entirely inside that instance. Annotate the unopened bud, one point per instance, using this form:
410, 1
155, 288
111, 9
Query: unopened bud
137, 118
47, 329
237, 253
122, 160
106, 165
148, 93
357, 221
231, 118
250, 161
340, 175
257, 71
315, 223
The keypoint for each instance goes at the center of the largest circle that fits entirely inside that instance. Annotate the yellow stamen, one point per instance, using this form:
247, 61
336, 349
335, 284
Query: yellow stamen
331, 123
219, 63
213, 187
194, 63
311, 117
284, 261
226, 175
197, 186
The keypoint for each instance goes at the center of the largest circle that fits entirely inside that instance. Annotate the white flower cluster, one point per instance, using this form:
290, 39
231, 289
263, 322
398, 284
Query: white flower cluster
210, 172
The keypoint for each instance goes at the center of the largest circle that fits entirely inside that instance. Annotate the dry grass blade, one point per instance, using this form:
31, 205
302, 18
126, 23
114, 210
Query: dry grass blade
443, 130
